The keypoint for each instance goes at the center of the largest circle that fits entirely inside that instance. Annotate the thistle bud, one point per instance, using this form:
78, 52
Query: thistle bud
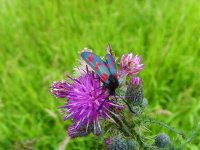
132, 145
162, 140
135, 93
116, 143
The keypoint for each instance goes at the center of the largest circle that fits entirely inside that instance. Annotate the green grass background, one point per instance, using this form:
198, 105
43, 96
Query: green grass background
40, 41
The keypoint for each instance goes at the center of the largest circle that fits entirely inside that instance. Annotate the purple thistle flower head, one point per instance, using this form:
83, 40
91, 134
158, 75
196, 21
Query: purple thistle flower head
130, 65
60, 88
85, 95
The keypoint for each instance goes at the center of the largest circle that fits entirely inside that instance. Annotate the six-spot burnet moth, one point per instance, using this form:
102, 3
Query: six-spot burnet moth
106, 70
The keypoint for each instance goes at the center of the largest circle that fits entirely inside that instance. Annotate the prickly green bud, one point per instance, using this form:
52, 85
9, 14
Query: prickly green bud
117, 143
162, 140
135, 93
132, 145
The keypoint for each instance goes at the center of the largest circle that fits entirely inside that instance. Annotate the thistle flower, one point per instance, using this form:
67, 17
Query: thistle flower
60, 88
130, 65
162, 140
135, 93
85, 95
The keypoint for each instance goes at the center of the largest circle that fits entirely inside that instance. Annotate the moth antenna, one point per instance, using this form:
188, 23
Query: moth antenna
87, 68
109, 49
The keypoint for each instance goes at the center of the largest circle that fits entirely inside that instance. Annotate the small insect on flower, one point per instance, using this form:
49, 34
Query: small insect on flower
106, 70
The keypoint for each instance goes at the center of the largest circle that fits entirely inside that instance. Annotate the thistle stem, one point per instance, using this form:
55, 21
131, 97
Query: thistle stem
139, 140
166, 126
124, 127
135, 133
194, 132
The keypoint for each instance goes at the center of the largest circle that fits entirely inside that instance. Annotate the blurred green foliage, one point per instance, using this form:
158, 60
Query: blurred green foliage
41, 40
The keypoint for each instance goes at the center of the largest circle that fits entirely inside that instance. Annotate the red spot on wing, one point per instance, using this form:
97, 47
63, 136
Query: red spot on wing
113, 63
90, 58
107, 66
104, 77
97, 65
